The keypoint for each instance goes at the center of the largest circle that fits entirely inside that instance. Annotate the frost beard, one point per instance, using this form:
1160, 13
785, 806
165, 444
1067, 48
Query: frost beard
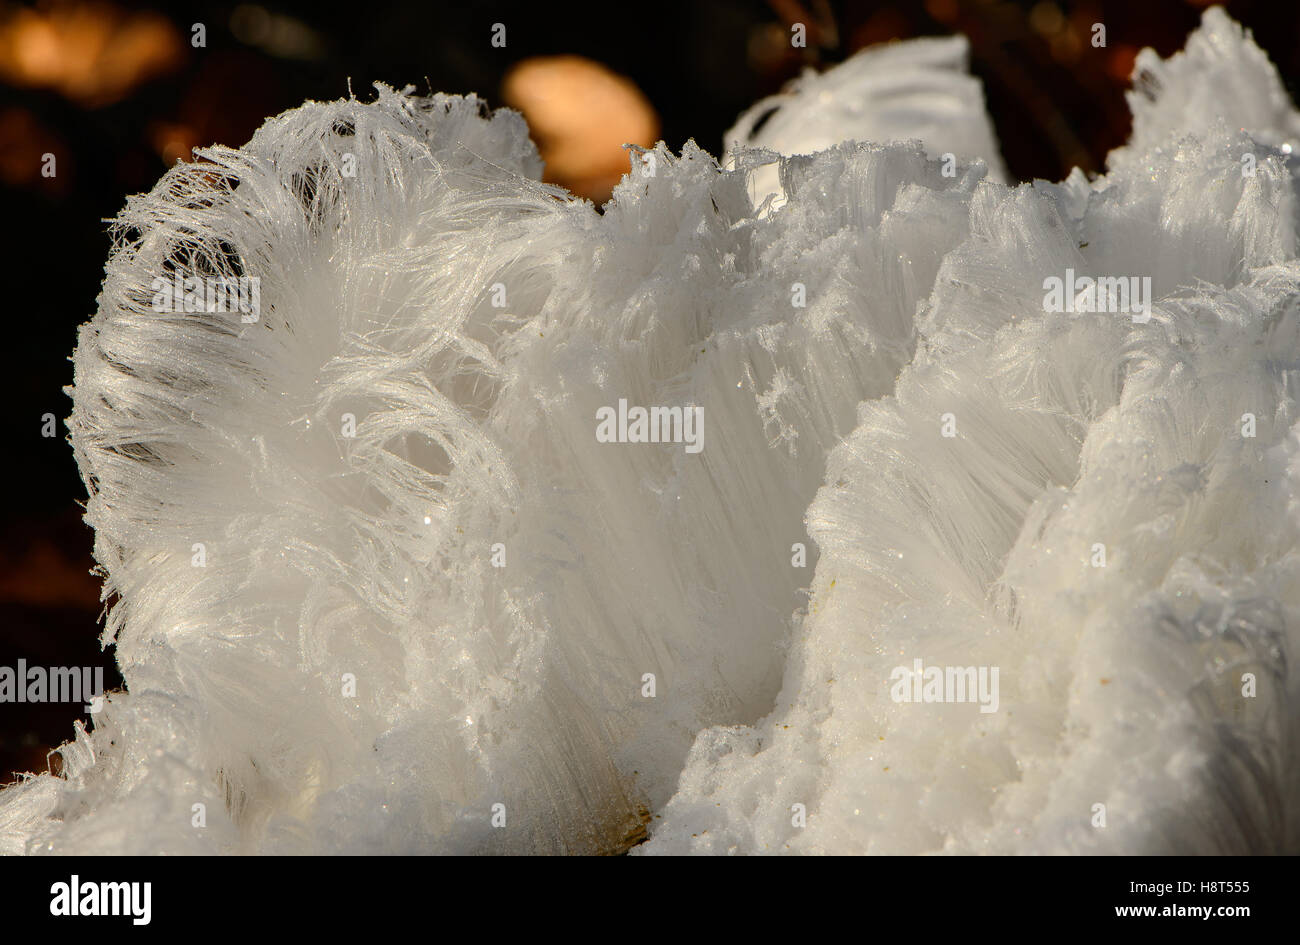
947, 571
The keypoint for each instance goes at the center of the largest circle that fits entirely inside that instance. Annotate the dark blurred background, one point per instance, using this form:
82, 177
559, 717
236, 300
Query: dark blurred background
118, 91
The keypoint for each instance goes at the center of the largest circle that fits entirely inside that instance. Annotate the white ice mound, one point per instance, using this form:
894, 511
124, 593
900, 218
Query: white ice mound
1222, 76
1112, 527
378, 585
332, 560
916, 90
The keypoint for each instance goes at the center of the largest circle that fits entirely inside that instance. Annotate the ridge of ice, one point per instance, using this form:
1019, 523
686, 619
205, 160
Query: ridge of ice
522, 686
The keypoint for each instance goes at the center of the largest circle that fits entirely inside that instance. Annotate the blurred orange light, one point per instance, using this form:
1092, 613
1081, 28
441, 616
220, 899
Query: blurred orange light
581, 114
91, 52
24, 142
173, 142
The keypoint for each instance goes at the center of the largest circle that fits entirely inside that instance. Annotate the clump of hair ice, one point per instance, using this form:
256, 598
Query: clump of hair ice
377, 586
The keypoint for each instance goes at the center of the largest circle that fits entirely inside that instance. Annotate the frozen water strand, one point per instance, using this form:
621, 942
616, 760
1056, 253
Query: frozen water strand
1111, 525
